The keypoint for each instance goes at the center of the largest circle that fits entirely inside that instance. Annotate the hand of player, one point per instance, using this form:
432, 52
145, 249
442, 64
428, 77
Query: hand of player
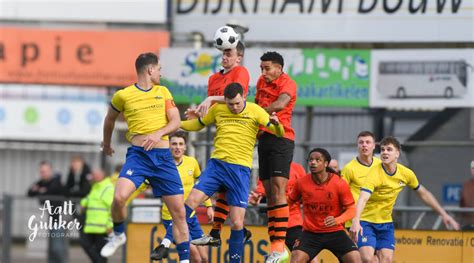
274, 119
330, 221
191, 114
210, 214
355, 229
450, 222
151, 140
203, 108
107, 149
255, 198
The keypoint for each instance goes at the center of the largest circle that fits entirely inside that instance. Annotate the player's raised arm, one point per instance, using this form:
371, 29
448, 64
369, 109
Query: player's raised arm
270, 121
430, 200
279, 104
203, 108
198, 123
109, 124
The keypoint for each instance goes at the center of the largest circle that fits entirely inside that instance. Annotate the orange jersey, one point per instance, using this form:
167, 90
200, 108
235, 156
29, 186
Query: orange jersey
218, 81
321, 201
296, 171
267, 93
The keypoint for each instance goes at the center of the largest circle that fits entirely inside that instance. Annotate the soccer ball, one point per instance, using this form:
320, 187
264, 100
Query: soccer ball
226, 38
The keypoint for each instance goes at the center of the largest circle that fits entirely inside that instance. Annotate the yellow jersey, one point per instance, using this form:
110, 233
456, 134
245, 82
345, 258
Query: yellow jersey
384, 189
355, 173
236, 133
144, 111
189, 172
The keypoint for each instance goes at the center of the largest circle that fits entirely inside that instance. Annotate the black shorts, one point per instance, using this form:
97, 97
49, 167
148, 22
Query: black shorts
274, 156
339, 243
292, 234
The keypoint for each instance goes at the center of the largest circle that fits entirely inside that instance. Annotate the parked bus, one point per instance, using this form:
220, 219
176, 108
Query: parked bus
403, 79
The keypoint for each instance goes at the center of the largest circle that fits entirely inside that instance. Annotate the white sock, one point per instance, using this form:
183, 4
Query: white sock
166, 242
184, 261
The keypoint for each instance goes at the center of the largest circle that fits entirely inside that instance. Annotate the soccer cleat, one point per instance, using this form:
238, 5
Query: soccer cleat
159, 252
113, 244
207, 240
247, 235
278, 257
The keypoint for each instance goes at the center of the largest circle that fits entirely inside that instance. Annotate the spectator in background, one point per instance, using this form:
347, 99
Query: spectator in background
78, 184
467, 200
334, 164
48, 184
97, 207
49, 187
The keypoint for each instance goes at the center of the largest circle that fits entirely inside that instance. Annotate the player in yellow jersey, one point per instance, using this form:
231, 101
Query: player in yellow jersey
372, 227
355, 172
189, 172
237, 124
151, 115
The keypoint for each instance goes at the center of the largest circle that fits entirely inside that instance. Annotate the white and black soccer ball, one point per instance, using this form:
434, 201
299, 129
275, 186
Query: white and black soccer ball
226, 38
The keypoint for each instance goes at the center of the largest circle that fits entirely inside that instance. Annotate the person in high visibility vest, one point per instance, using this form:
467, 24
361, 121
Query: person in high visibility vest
97, 206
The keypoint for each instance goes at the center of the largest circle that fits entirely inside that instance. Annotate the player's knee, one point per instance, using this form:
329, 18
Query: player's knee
366, 258
178, 214
204, 259
352, 257
278, 188
119, 200
195, 257
385, 258
237, 224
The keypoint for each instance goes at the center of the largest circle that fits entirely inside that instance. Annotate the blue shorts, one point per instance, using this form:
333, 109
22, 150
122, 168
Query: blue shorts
156, 165
195, 230
234, 178
377, 236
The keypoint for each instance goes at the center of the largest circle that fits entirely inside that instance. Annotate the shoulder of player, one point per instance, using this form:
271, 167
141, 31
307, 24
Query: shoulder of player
190, 159
403, 169
338, 184
254, 108
349, 167
126, 89
352, 163
239, 69
376, 161
159, 88
286, 80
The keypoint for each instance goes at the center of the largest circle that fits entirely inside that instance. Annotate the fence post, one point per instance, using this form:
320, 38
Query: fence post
6, 228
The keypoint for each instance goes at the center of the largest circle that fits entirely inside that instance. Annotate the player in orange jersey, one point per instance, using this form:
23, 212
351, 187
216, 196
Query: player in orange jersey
327, 204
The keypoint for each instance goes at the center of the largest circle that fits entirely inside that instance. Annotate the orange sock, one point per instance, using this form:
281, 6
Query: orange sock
271, 222
280, 227
220, 213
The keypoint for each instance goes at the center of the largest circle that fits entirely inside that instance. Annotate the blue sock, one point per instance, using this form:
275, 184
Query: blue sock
189, 211
169, 232
236, 245
119, 228
183, 250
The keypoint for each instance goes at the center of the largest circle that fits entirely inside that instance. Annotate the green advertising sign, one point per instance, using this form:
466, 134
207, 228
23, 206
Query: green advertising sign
325, 77
333, 77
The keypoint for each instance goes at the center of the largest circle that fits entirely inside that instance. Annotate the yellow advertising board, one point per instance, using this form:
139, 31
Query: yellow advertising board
433, 246
411, 246
142, 238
